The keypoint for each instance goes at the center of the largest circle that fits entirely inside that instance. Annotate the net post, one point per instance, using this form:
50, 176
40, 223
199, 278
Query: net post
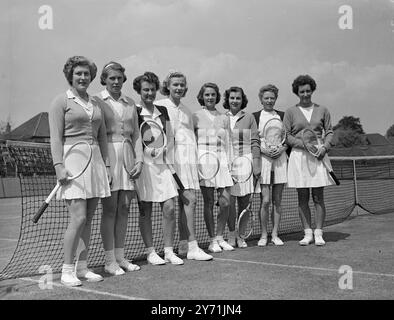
355, 185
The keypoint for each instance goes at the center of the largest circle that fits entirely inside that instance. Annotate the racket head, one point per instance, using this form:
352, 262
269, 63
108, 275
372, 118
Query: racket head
241, 169
311, 141
153, 138
274, 133
208, 165
77, 158
128, 155
245, 223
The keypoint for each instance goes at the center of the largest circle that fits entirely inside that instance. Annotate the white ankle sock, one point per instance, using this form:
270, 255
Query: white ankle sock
193, 245
219, 238
67, 268
150, 250
168, 250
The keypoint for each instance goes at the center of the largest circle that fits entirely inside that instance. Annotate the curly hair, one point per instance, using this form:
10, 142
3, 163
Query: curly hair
76, 61
149, 77
112, 66
200, 96
268, 88
166, 82
226, 104
303, 80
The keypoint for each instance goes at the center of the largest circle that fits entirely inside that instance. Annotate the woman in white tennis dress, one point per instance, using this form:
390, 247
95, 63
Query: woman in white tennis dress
307, 114
121, 122
76, 116
156, 183
273, 166
183, 147
211, 129
244, 141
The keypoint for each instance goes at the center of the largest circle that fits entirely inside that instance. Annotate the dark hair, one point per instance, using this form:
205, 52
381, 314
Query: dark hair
149, 77
200, 96
226, 104
268, 88
112, 66
76, 61
303, 80
166, 82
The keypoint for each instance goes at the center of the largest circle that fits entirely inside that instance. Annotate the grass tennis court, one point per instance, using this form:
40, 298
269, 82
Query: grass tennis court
364, 242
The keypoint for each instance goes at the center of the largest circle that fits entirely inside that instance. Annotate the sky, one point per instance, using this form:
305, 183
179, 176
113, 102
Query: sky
247, 43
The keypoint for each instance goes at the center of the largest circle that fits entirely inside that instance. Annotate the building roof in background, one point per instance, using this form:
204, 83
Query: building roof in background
35, 128
376, 139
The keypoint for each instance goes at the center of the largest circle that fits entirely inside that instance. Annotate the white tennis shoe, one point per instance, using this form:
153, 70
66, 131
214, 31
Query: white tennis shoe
262, 242
214, 247
128, 266
69, 279
172, 258
225, 246
89, 275
154, 259
198, 254
277, 241
114, 269
308, 238
319, 241
241, 243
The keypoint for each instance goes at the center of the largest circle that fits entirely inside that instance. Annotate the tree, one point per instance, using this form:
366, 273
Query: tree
350, 123
348, 132
390, 131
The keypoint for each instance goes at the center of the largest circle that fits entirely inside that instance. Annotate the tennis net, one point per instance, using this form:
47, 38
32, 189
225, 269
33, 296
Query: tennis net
365, 182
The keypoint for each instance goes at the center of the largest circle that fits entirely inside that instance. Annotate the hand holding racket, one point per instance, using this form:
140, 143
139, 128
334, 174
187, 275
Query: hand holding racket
273, 138
314, 146
75, 161
129, 158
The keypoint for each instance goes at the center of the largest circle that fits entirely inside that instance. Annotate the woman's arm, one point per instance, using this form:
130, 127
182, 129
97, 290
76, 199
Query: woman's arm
56, 128
290, 123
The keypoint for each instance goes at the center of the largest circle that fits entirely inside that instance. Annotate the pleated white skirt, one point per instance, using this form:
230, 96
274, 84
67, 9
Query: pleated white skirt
279, 166
93, 183
302, 175
120, 177
223, 177
243, 188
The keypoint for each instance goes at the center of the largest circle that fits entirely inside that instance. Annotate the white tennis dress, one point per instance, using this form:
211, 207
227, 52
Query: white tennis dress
240, 144
93, 183
302, 175
155, 183
120, 177
212, 135
279, 165
184, 145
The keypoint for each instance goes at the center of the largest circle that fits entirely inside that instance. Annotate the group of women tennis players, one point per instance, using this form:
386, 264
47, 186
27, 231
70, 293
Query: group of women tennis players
106, 119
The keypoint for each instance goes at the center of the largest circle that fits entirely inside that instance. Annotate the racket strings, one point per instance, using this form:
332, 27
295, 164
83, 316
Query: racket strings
128, 156
208, 165
77, 159
153, 138
241, 169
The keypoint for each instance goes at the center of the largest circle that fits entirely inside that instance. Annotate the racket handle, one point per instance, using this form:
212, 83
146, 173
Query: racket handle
39, 213
178, 181
334, 177
45, 204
